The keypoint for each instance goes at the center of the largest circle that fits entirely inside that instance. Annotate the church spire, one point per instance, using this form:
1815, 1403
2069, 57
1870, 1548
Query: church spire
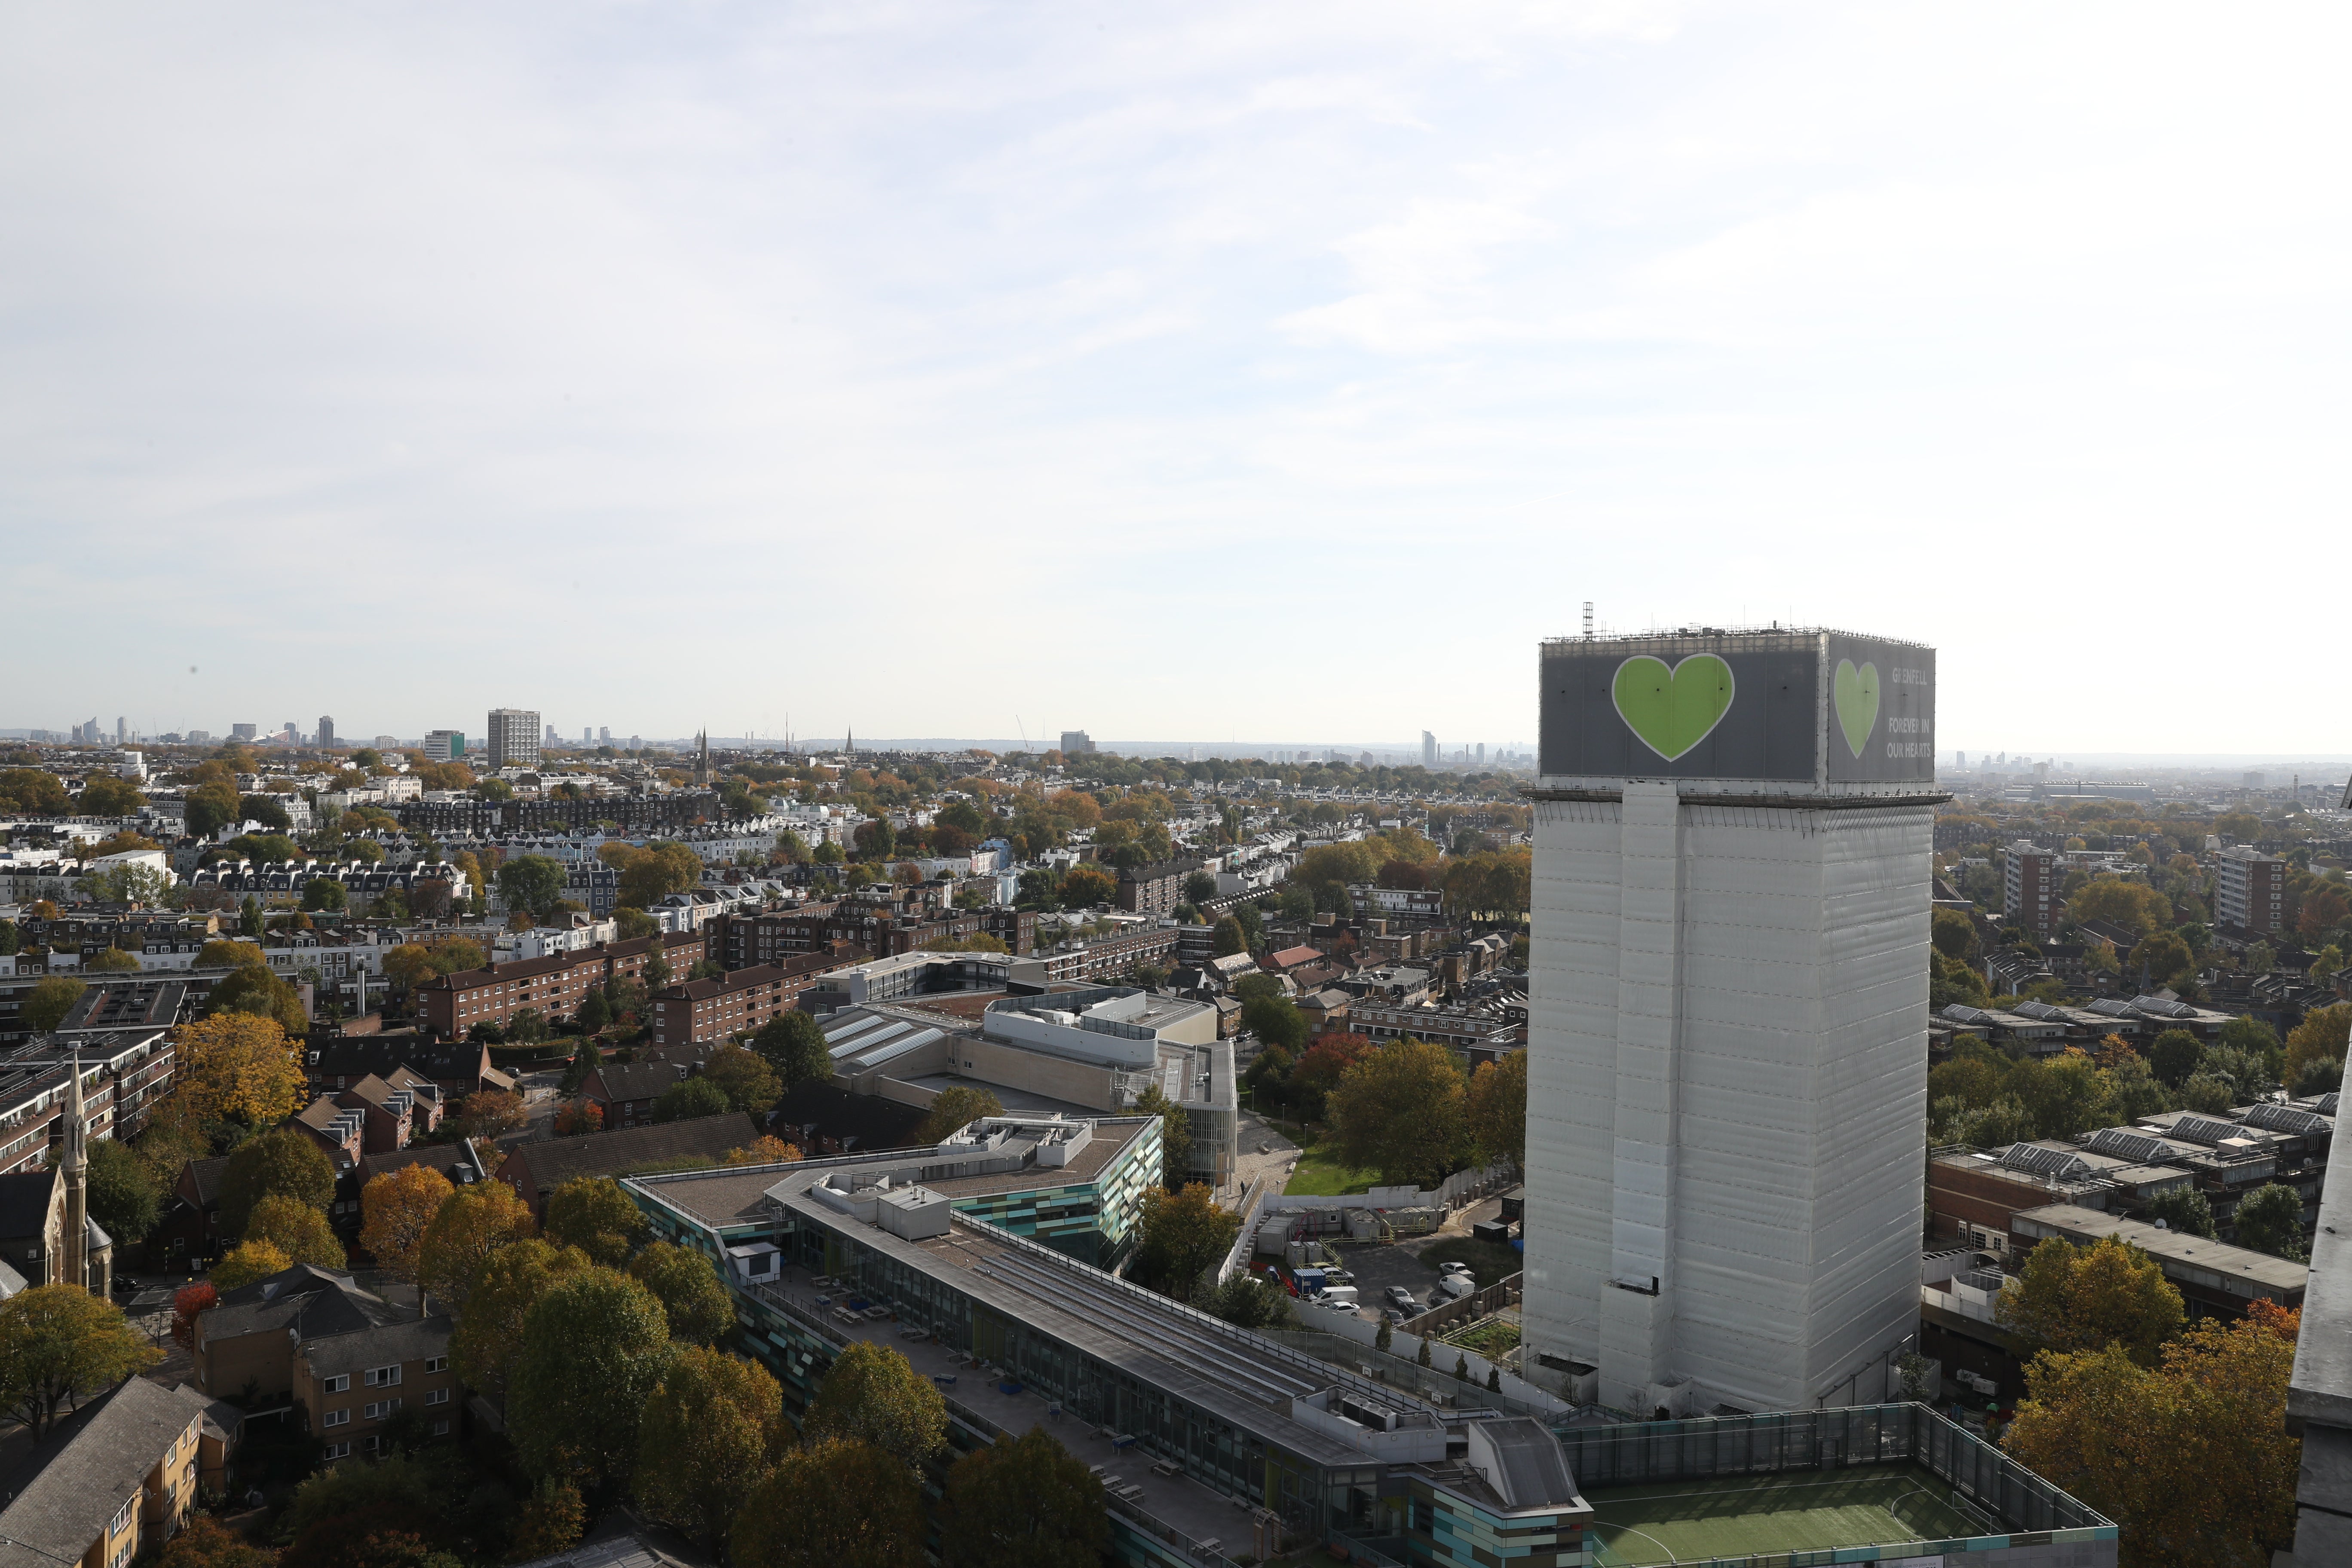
74, 1252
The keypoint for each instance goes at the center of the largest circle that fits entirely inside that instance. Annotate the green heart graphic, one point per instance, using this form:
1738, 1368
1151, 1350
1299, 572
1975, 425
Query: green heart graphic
1857, 703
1673, 710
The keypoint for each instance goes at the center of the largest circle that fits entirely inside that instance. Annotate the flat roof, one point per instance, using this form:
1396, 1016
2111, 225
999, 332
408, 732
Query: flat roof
1743, 1516
2174, 1248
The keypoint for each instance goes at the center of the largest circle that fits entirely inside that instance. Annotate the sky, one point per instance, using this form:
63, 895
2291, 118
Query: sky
1248, 371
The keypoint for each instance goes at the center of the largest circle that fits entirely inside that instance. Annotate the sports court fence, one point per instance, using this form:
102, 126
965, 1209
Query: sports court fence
1644, 1453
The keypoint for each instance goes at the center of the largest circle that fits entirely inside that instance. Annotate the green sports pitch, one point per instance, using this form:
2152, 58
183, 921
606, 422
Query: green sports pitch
1747, 1516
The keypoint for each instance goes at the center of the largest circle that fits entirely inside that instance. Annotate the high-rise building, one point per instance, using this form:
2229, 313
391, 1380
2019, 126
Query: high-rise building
2250, 891
244, 732
2029, 880
1726, 1048
326, 733
121, 730
587, 736
1428, 750
444, 746
552, 738
603, 735
387, 742
513, 736
1076, 742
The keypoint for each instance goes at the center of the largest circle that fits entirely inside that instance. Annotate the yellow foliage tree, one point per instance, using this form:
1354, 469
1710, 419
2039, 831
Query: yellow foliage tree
2071, 1298
239, 1067
2321, 1036
294, 1230
398, 1208
471, 1224
249, 1261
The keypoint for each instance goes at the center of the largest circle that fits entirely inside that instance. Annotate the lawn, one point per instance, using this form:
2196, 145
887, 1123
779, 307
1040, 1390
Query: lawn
1805, 1511
1319, 1175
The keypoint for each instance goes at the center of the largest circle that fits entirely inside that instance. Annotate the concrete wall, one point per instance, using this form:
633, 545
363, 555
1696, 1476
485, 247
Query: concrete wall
1033, 1072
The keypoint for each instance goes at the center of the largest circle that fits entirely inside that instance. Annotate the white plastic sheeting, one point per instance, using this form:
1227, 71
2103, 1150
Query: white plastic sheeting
1727, 1091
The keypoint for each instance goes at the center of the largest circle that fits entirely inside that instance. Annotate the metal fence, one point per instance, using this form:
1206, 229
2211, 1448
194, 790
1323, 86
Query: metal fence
1644, 1453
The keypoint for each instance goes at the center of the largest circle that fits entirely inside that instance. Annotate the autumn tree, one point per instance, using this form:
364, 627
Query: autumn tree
874, 1395
745, 1077
204, 1541
836, 1504
692, 1299
248, 1262
471, 1223
1496, 1109
490, 1112
764, 1149
593, 1214
551, 1520
506, 1285
712, 1426
1024, 1502
2321, 1036
253, 988
955, 1107
1184, 1232
1400, 1112
2069, 1297
2134, 905
591, 1351
188, 1303
296, 1229
59, 1342
283, 1162
2191, 1456
398, 1208
237, 1066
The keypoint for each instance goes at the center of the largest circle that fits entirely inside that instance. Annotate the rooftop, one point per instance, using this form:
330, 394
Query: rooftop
2179, 1251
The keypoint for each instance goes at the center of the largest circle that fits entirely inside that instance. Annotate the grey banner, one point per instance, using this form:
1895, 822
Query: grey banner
1882, 726
1662, 708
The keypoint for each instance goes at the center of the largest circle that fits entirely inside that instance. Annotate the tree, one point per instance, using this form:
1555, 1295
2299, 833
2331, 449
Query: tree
281, 1162
399, 1207
1249, 1301
2161, 955
1175, 1134
1402, 1111
577, 1117
1200, 888
57, 1343
593, 1214
471, 1223
248, 1262
1496, 1109
551, 1522
874, 1395
744, 1077
1184, 1232
591, 1351
795, 1046
2270, 1219
2184, 1209
764, 1149
122, 1194
2135, 906
188, 1303
253, 989
35, 792
204, 1541
876, 841
498, 1299
325, 894
692, 1299
2318, 1077
1276, 1020
1421, 1357
533, 883
1085, 887
585, 1060
2322, 1035
956, 1107
45, 1007
837, 1504
2192, 1459
2173, 1055
1024, 1502
2071, 1298
1226, 938
489, 1112
211, 807
712, 1426
689, 1098
112, 961
596, 1011
2067, 1096
1385, 1336
296, 1229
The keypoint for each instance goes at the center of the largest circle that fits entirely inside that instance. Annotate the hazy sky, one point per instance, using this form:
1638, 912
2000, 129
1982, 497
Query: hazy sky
1263, 371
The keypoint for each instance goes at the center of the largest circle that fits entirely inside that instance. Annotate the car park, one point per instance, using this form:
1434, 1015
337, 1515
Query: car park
1398, 1297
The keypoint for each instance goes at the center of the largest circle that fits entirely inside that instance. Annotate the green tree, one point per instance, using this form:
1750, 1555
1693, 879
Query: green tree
506, 1285
1498, 1109
2184, 1209
712, 1426
1200, 888
2270, 1219
689, 1098
45, 1007
59, 1342
874, 1395
2319, 1076
585, 1060
123, 1197
2252, 1034
1249, 1301
211, 807
280, 1162
2135, 906
1403, 1111
1175, 1134
593, 1214
2208, 1094
533, 883
1226, 937
593, 1348
795, 1046
2173, 1055
834, 1504
1184, 1232
1956, 936
692, 1299
2322, 1035
2161, 955
745, 1077
1276, 1021
325, 894
2066, 1096
957, 1106
1024, 1502
2070, 1298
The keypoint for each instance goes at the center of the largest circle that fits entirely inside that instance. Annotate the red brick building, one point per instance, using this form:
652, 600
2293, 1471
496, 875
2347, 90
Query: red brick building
555, 985
698, 1012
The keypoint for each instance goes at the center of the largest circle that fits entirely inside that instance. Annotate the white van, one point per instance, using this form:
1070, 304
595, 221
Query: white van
1341, 1298
1454, 1286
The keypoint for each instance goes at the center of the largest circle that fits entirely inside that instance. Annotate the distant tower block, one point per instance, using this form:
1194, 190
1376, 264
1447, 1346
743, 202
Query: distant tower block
1727, 1048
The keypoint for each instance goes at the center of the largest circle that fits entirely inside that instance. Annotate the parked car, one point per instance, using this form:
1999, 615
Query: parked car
1338, 1277
1399, 1297
1462, 1268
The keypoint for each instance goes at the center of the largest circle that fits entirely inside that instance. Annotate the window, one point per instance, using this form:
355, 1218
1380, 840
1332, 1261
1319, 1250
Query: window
336, 1451
436, 1364
380, 1411
437, 1396
338, 1385
337, 1417
123, 1516
440, 1428
383, 1376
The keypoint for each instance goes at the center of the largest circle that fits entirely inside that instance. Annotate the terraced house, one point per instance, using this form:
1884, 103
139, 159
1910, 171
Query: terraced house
554, 986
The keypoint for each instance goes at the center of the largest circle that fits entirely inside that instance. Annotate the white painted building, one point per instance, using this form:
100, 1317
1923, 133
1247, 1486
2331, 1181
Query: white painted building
1727, 1018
